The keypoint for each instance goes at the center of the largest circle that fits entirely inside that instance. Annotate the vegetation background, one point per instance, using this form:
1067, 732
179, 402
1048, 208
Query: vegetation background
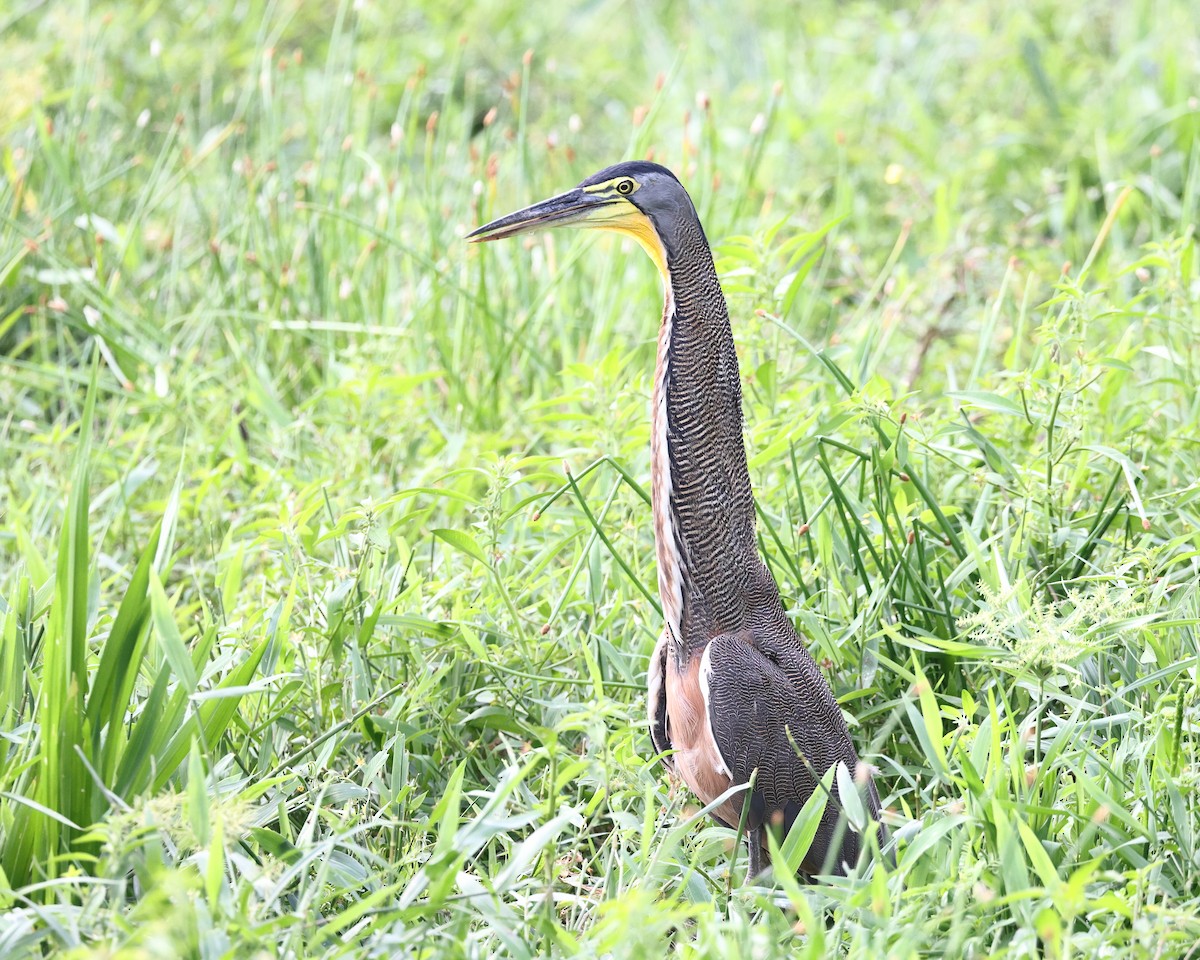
310, 648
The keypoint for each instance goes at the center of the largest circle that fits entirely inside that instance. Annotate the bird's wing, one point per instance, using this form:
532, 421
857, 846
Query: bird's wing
771, 709
656, 701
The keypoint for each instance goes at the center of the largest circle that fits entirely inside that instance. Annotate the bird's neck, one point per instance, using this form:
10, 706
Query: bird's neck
710, 573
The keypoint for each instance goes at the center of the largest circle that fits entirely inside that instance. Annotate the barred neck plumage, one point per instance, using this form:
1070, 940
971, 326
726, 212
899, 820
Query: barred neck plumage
709, 568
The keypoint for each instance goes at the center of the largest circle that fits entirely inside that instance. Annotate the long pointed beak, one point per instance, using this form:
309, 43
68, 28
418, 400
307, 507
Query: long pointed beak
571, 207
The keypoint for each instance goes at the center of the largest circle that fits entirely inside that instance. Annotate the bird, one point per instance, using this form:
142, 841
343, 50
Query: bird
734, 697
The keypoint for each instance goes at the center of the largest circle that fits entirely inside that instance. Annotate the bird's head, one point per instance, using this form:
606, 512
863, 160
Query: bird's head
639, 199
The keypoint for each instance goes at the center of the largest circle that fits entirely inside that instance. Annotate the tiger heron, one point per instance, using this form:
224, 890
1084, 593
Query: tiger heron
732, 689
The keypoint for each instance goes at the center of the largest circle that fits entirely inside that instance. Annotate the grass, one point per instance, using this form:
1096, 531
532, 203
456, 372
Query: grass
311, 648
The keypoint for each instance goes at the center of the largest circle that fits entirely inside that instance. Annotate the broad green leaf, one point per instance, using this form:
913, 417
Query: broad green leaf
168, 635
463, 542
851, 800
804, 828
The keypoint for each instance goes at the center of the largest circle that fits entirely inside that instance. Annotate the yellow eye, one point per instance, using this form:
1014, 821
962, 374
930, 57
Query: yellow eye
625, 187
